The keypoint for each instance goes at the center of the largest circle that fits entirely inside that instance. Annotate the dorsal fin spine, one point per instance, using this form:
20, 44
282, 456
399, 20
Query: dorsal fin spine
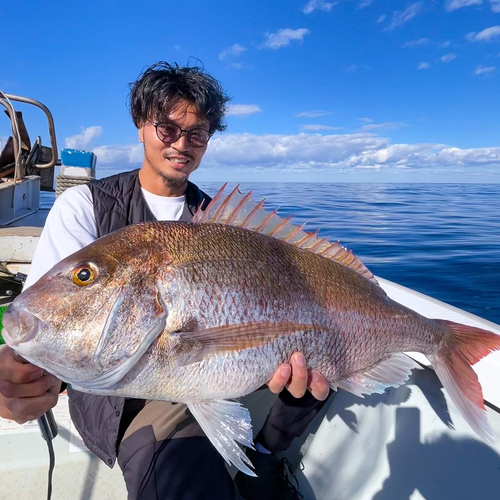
316, 245
243, 211
198, 216
225, 203
323, 252
283, 223
293, 233
306, 238
248, 218
238, 207
262, 225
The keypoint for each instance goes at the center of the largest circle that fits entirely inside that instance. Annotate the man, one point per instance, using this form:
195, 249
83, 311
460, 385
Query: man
161, 449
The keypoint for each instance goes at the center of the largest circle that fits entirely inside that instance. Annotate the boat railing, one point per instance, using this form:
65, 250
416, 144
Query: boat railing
25, 167
33, 156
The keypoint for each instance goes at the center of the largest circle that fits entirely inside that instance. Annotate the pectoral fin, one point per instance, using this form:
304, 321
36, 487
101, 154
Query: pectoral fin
243, 336
226, 423
392, 371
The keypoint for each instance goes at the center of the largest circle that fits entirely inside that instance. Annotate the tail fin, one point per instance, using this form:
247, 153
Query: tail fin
453, 368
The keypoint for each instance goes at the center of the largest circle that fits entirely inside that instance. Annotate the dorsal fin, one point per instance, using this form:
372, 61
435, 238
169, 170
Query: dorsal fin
241, 210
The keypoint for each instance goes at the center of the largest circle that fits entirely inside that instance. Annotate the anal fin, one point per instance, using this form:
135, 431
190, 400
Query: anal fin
226, 423
392, 371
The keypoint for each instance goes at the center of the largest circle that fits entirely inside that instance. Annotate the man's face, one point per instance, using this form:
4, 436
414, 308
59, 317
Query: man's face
173, 161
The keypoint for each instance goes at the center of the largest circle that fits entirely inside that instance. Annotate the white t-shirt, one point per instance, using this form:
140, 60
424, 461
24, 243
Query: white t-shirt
71, 225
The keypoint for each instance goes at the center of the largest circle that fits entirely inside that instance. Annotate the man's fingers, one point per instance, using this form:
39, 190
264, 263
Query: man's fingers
298, 384
17, 357
297, 379
280, 378
24, 409
318, 385
16, 371
31, 389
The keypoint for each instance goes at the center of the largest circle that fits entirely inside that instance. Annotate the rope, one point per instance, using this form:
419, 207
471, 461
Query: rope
64, 182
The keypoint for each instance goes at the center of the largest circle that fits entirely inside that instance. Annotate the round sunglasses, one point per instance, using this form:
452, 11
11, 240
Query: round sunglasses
170, 132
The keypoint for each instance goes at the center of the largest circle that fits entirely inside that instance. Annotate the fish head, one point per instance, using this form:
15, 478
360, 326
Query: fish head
93, 315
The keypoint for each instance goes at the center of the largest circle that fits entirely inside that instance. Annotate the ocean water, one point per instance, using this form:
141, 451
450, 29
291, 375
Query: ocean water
440, 239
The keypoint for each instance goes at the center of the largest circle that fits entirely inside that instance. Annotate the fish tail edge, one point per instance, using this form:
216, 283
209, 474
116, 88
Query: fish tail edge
453, 367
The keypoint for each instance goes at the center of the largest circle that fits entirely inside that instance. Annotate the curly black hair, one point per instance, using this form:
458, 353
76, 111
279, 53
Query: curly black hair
161, 86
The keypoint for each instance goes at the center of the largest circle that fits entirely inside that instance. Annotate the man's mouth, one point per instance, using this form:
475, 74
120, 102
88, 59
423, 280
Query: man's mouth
178, 160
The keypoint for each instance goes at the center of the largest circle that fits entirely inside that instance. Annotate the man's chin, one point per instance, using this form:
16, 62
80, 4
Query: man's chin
174, 180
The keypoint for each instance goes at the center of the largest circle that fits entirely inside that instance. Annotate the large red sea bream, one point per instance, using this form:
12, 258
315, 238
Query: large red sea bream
204, 312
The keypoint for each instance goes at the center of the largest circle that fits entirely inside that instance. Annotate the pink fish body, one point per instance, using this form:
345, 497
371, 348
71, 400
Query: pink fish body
203, 312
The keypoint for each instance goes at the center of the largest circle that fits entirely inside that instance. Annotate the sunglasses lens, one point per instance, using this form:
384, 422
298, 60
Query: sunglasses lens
170, 132
198, 137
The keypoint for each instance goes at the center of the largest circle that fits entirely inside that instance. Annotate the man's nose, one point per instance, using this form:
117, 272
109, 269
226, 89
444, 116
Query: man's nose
181, 143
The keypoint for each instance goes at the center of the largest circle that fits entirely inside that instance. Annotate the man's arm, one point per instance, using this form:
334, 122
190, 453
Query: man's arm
70, 226
26, 391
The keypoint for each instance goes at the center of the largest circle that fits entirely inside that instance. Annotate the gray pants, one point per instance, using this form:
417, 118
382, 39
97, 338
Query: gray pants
164, 454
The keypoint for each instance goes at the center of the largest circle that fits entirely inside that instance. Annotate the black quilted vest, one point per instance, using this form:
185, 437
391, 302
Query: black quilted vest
118, 202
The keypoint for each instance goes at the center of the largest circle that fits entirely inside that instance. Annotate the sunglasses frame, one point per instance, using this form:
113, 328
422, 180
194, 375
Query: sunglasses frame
181, 132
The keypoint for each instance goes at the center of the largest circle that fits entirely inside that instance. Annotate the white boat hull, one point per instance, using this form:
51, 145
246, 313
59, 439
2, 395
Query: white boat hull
410, 442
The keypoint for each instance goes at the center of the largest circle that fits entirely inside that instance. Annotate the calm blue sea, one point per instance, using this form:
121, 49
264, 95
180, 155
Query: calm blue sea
440, 239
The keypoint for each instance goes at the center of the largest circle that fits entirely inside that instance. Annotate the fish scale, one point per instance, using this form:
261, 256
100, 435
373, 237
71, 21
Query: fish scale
203, 312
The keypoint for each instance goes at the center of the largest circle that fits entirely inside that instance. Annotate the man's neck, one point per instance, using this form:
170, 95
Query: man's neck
159, 186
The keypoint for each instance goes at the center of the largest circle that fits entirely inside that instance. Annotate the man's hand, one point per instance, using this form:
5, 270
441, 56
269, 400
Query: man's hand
297, 379
26, 391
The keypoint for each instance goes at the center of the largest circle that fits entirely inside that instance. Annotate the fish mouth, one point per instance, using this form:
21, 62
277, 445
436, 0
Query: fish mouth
20, 326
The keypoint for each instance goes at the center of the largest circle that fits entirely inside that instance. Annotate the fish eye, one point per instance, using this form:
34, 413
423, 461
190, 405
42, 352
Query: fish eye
84, 274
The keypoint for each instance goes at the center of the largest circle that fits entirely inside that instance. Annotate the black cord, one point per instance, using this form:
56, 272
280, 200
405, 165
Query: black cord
52, 462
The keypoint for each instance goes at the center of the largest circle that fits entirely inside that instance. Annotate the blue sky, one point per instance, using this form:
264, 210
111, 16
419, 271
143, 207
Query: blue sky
353, 90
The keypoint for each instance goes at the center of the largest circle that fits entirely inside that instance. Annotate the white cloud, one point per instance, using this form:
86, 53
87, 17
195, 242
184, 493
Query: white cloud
386, 126
288, 150
348, 151
315, 113
84, 139
451, 5
423, 65
365, 3
316, 127
365, 120
354, 68
485, 35
381, 18
115, 154
282, 38
233, 51
414, 43
495, 6
401, 17
313, 5
484, 70
448, 57
243, 109
444, 45
310, 152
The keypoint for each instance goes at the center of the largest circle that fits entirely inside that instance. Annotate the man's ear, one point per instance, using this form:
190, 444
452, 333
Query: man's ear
140, 130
